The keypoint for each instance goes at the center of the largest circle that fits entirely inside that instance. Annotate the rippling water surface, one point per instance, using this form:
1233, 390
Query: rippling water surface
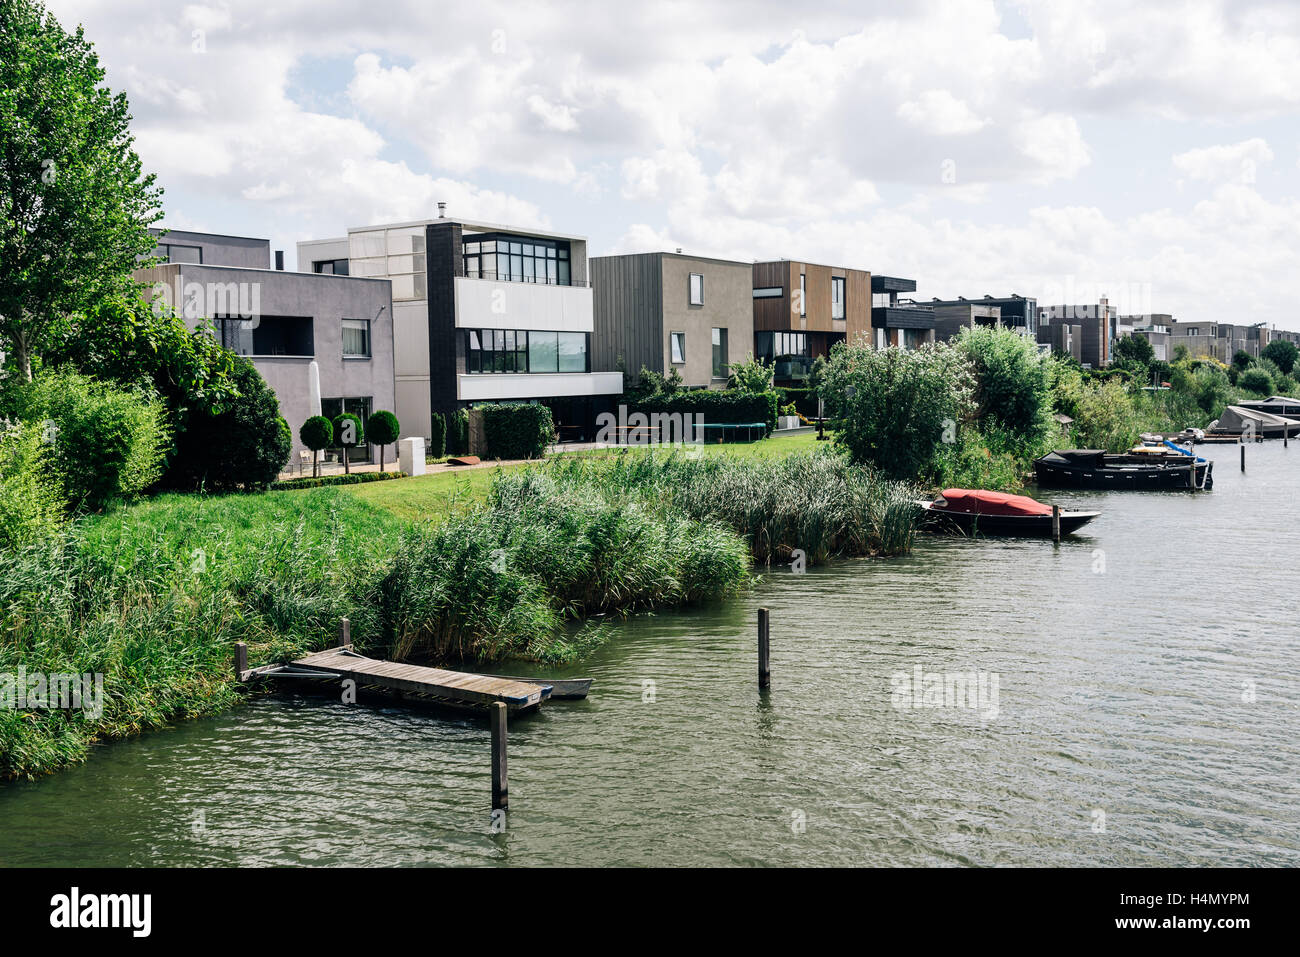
1123, 732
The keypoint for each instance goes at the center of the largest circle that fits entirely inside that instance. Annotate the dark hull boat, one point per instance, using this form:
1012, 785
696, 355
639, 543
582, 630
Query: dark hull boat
1091, 469
1247, 424
994, 513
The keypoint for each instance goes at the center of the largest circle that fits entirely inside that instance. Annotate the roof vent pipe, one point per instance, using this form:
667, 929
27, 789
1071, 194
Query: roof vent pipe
442, 210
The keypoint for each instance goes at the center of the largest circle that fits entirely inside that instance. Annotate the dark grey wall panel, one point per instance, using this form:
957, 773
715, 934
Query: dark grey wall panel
627, 299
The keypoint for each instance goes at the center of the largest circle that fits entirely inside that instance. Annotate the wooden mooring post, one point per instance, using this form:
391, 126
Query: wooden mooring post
345, 633
1056, 524
500, 787
1243, 456
764, 651
241, 660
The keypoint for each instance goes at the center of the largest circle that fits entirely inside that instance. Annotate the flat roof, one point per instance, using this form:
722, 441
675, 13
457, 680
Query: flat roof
157, 230
676, 255
275, 272
471, 225
806, 262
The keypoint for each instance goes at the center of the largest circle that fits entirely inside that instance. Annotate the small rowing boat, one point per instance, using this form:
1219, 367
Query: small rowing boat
977, 512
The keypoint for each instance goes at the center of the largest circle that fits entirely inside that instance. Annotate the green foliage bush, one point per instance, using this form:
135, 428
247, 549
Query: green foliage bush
31, 496
1284, 353
752, 375
1013, 385
317, 433
717, 406
237, 445
517, 430
354, 478
893, 408
438, 437
1256, 380
108, 442
460, 432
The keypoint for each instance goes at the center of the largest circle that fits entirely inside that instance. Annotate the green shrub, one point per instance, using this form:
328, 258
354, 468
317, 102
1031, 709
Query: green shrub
1284, 353
437, 436
1013, 387
893, 408
1256, 380
383, 429
517, 430
717, 406
108, 442
752, 375
31, 496
238, 445
460, 433
349, 432
354, 478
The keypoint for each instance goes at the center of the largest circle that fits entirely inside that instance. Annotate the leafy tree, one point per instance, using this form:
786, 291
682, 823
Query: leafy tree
651, 383
348, 432
316, 433
240, 445
1241, 360
1135, 349
1282, 352
893, 408
752, 375
75, 206
384, 429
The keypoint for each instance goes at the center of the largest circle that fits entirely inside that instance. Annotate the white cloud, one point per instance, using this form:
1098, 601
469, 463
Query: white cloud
1235, 162
941, 113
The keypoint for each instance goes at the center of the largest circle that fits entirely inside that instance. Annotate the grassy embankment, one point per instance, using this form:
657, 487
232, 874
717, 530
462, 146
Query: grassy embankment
154, 595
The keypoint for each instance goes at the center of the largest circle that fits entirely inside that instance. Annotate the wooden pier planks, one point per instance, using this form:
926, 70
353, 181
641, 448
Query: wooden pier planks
452, 685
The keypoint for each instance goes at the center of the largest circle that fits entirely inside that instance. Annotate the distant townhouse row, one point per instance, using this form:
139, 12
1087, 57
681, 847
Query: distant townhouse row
431, 316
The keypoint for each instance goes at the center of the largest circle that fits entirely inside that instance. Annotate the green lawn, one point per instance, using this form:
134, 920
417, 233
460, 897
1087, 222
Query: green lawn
434, 496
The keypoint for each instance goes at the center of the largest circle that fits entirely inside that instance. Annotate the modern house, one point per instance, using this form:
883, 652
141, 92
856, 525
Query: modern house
1155, 329
293, 326
1098, 324
481, 314
802, 309
1219, 340
1014, 312
899, 321
669, 311
950, 317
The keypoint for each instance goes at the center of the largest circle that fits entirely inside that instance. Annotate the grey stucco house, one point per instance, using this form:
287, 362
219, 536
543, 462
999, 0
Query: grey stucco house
285, 322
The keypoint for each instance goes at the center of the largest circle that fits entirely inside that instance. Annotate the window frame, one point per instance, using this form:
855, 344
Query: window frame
690, 290
370, 348
677, 347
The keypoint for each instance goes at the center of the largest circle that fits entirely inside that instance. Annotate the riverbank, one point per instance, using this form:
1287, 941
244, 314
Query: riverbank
154, 595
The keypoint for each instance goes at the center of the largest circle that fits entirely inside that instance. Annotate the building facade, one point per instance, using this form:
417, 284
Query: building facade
1219, 340
1098, 330
482, 313
897, 320
801, 310
286, 323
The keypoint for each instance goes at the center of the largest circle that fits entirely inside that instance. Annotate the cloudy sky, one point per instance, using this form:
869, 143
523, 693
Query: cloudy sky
1147, 151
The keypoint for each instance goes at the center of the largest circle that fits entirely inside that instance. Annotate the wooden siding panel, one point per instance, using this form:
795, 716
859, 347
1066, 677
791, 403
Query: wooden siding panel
627, 301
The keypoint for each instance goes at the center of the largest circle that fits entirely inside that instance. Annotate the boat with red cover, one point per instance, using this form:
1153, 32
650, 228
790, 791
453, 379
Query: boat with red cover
974, 511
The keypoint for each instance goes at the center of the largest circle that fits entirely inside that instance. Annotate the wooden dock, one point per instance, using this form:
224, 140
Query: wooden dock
456, 688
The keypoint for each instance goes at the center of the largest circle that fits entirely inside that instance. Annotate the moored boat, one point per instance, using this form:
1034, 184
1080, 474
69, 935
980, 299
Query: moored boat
562, 689
1280, 405
977, 512
1095, 469
1246, 423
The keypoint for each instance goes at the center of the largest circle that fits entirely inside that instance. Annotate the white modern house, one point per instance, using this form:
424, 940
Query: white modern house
481, 313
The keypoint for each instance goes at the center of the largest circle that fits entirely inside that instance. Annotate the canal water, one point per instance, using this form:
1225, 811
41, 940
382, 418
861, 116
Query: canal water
1146, 712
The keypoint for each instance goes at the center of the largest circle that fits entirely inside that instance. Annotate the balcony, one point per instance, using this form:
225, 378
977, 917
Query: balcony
505, 304
793, 367
903, 315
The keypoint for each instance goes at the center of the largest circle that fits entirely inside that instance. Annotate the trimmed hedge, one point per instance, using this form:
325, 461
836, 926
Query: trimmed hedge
438, 437
517, 430
720, 407
355, 478
458, 433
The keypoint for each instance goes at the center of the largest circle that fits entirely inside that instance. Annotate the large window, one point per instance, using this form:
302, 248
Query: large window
517, 259
356, 338
360, 406
837, 297
268, 336
774, 345
697, 289
803, 293
677, 341
176, 253
330, 267
509, 350
720, 367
